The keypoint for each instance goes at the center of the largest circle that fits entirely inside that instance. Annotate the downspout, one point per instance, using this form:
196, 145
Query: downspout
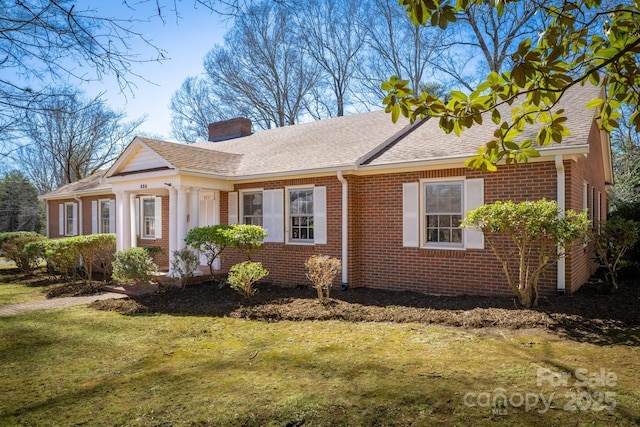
345, 231
560, 190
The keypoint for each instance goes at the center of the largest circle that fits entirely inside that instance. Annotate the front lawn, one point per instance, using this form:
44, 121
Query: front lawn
18, 293
81, 366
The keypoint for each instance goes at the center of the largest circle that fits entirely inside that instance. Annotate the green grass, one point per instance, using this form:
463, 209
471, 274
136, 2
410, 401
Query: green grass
79, 366
14, 293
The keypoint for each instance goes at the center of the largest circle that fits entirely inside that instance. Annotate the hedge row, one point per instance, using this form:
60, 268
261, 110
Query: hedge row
66, 255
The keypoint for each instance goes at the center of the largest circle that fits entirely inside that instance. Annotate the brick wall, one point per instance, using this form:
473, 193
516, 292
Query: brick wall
286, 262
581, 170
86, 211
54, 216
162, 258
382, 261
376, 256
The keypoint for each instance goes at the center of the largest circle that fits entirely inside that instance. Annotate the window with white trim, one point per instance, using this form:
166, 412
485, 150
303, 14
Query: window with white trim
252, 208
104, 216
148, 217
443, 210
69, 219
300, 215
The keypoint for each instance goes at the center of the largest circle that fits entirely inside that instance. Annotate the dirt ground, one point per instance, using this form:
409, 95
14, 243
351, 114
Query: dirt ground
590, 315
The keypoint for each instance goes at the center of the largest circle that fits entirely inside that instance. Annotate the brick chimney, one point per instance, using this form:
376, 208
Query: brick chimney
229, 129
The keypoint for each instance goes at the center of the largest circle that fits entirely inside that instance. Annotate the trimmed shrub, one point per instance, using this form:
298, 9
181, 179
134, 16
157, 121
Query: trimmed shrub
14, 249
321, 270
243, 275
616, 237
212, 240
183, 264
95, 250
13, 234
133, 265
536, 230
62, 258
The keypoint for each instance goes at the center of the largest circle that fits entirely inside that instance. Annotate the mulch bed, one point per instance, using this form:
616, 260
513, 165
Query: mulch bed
589, 315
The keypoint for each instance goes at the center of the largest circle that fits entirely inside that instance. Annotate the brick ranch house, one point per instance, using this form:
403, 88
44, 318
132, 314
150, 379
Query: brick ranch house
384, 198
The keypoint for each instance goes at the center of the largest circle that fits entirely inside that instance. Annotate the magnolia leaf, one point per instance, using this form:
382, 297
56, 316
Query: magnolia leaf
594, 103
511, 145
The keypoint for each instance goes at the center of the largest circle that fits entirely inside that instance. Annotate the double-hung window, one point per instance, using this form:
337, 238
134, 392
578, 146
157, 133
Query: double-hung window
104, 221
443, 209
300, 201
432, 211
148, 217
252, 208
69, 219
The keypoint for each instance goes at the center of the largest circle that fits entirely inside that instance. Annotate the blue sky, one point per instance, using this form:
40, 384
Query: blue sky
186, 42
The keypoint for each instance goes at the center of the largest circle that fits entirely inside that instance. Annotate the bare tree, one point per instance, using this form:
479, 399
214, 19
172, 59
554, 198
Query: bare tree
395, 46
47, 40
70, 138
261, 70
333, 34
482, 41
193, 107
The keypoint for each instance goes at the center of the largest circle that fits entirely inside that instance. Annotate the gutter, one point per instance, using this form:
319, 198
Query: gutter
560, 195
345, 230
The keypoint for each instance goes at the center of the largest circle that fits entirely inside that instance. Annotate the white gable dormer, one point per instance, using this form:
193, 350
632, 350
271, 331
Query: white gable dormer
138, 157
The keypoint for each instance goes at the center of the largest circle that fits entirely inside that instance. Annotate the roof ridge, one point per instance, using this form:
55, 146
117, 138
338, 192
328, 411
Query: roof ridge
390, 142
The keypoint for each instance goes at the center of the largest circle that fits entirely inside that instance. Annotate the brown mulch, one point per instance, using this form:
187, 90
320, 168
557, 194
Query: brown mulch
589, 315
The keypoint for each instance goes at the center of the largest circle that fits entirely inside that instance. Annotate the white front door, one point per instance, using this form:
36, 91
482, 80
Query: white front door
209, 215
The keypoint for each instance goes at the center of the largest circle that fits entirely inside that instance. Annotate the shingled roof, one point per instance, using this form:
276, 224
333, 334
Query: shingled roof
342, 143
429, 142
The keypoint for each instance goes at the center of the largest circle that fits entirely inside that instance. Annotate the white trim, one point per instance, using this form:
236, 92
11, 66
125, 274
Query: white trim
423, 212
241, 194
155, 220
98, 216
94, 216
61, 218
232, 211
287, 201
273, 215
112, 215
411, 214
320, 215
473, 196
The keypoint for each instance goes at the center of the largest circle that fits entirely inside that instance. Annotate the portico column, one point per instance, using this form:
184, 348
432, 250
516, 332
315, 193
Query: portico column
123, 220
194, 210
173, 215
132, 220
120, 224
182, 217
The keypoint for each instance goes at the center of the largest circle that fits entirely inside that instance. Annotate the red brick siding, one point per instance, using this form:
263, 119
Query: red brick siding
161, 259
286, 262
581, 264
382, 261
86, 211
54, 216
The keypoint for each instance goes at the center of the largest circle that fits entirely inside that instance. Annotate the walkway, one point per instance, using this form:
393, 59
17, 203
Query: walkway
11, 310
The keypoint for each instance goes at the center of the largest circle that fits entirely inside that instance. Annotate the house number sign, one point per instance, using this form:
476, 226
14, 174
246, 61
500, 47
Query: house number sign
143, 186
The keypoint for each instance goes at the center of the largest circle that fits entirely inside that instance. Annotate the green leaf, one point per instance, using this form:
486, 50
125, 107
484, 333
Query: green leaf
395, 113
594, 103
511, 145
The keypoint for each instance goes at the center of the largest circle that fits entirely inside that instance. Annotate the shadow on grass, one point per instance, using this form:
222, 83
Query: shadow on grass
586, 316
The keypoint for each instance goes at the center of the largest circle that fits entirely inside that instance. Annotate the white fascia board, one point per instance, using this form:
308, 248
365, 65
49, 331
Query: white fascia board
142, 175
